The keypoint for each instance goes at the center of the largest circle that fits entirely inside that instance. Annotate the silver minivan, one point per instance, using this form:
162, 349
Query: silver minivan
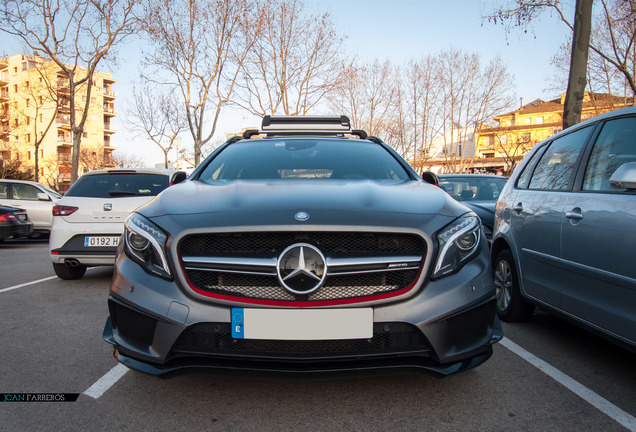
564, 229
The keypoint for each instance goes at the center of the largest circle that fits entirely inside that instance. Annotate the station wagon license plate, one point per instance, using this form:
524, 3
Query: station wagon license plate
101, 241
302, 324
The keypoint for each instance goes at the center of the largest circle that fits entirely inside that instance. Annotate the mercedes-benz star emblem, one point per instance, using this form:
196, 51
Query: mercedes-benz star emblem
301, 268
301, 216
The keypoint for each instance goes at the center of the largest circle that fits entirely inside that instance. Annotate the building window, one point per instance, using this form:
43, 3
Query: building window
41, 100
28, 103
15, 88
28, 121
540, 120
27, 84
28, 138
40, 118
29, 155
528, 120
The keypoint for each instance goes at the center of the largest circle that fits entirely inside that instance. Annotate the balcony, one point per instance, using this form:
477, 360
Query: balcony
64, 140
108, 162
64, 159
109, 94
109, 111
62, 85
109, 129
4, 94
63, 121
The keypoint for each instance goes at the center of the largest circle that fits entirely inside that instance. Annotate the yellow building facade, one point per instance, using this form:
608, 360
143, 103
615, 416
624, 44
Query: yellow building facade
501, 146
35, 111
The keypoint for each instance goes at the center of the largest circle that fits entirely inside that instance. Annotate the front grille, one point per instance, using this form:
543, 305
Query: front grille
385, 264
334, 244
216, 338
134, 327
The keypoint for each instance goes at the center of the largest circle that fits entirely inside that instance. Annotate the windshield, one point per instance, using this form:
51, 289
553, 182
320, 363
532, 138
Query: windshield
304, 158
118, 185
473, 188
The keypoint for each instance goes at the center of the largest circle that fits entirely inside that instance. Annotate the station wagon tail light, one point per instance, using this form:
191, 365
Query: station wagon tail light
62, 210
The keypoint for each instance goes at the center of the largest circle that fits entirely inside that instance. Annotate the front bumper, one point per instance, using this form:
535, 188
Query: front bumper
448, 326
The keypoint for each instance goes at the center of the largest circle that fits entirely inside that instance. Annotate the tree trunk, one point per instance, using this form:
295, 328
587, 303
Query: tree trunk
578, 63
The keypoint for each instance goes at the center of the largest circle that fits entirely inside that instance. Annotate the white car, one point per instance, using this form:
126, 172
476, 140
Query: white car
36, 199
88, 221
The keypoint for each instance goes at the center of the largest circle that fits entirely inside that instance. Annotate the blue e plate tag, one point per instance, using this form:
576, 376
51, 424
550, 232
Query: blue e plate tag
238, 321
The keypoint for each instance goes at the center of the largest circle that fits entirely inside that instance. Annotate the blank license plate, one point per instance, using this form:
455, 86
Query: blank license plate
302, 324
101, 241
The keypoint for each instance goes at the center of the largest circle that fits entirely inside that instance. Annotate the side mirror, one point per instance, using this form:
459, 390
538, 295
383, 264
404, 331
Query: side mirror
43, 197
178, 177
430, 177
624, 177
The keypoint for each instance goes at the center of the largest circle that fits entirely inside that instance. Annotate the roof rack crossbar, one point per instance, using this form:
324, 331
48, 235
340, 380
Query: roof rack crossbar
327, 125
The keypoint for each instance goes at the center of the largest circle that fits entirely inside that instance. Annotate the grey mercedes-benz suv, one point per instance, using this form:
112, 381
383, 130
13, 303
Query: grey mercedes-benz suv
564, 229
305, 246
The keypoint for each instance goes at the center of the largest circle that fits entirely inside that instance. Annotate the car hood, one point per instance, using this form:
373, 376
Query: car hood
395, 197
484, 209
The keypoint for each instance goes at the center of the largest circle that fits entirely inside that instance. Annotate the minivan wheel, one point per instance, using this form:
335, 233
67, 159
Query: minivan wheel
510, 305
66, 272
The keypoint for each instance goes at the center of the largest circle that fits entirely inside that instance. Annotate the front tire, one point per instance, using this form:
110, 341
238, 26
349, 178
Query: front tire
511, 307
69, 273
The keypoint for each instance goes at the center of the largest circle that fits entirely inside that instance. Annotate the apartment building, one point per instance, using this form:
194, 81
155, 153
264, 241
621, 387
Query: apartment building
35, 109
500, 147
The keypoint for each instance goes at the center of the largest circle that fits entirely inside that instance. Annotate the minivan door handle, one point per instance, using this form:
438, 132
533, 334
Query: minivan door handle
518, 208
574, 214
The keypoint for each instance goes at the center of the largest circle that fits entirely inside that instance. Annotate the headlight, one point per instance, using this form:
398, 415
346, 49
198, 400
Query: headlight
145, 243
458, 243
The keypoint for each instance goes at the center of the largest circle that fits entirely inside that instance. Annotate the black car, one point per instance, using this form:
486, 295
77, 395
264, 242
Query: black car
14, 222
306, 246
479, 192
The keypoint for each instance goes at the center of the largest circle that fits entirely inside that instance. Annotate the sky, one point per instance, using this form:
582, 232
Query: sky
397, 30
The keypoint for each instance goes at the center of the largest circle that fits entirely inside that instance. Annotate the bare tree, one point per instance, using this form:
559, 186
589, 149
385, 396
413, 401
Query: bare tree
369, 96
198, 47
77, 36
295, 62
469, 96
125, 160
157, 116
420, 106
613, 39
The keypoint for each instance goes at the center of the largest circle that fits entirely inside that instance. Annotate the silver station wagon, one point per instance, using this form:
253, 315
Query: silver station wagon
565, 236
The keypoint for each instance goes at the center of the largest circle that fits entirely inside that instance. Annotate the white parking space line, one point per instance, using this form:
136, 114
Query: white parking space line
577, 388
27, 284
107, 381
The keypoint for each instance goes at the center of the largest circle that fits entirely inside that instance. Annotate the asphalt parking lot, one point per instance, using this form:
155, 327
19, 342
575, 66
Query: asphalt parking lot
545, 375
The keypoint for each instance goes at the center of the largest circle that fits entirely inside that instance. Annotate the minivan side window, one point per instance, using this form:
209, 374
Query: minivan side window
615, 145
557, 164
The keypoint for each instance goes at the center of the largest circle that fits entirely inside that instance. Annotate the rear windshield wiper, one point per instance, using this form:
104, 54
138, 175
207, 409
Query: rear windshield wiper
123, 194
